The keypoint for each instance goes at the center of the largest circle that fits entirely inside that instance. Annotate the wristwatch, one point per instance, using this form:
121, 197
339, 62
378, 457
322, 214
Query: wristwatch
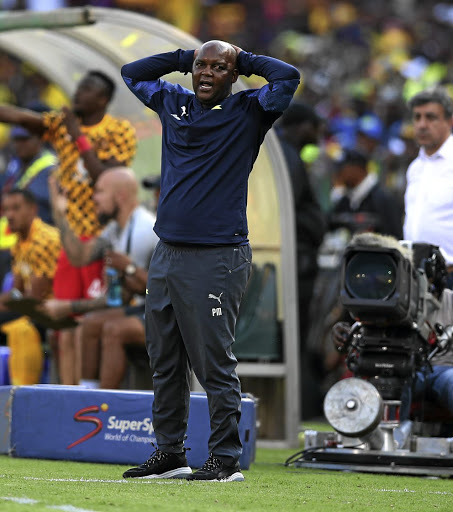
130, 269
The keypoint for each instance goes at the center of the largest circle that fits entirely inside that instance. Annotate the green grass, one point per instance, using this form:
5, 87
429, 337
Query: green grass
269, 485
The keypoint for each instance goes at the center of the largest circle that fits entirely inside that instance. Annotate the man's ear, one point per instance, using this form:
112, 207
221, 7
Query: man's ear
235, 75
33, 211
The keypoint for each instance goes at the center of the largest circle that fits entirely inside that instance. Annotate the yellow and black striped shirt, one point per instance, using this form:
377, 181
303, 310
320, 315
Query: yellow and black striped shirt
36, 255
111, 138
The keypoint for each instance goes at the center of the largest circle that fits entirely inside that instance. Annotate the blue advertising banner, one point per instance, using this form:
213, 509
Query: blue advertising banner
69, 422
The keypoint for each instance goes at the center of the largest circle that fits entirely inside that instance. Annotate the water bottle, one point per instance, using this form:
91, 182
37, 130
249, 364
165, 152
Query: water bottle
113, 288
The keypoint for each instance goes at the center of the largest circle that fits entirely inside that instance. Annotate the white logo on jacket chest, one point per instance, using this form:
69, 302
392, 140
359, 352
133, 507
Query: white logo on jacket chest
183, 113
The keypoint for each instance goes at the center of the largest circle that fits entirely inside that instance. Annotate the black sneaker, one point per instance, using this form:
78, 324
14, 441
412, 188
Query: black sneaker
161, 465
215, 470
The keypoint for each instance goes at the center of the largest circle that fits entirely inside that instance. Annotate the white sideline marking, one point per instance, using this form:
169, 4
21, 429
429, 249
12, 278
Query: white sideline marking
22, 501
447, 493
69, 508
29, 501
98, 480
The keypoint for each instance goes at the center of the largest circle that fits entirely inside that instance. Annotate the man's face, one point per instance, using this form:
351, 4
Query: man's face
89, 96
431, 127
213, 73
18, 212
350, 175
26, 148
105, 200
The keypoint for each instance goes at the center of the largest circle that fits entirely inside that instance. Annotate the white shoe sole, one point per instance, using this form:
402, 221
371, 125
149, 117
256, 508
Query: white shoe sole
182, 472
235, 477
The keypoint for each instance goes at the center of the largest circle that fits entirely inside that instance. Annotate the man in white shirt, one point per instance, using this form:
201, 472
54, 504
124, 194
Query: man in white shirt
429, 191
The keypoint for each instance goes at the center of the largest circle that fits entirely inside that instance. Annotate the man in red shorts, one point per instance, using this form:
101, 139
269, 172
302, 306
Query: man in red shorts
87, 141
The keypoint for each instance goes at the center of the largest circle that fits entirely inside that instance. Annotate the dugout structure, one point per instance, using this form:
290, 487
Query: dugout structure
65, 43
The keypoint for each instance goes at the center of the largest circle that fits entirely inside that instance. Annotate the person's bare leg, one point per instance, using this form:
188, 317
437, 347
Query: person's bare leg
90, 341
117, 333
66, 354
78, 354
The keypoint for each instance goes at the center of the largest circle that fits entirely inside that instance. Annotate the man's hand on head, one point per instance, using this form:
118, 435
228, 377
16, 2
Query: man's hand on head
238, 50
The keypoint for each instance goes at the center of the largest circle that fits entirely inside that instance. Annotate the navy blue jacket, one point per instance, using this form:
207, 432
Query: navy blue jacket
208, 154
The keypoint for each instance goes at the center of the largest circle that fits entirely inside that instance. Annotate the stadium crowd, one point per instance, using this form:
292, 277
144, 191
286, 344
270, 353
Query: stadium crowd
360, 62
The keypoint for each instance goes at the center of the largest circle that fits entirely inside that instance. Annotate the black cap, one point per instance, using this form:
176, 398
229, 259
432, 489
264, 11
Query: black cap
20, 132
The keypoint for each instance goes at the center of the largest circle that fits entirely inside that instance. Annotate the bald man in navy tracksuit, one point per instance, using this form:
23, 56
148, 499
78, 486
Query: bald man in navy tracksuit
200, 268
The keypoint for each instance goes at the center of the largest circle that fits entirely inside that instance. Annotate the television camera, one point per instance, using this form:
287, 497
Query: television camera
391, 290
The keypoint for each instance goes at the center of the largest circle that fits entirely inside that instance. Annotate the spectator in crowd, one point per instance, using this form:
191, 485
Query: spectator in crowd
370, 133
369, 141
87, 141
30, 169
360, 202
127, 243
429, 192
34, 259
300, 125
202, 263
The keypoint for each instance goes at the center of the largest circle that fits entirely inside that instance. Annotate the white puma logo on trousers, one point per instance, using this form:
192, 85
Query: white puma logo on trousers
212, 296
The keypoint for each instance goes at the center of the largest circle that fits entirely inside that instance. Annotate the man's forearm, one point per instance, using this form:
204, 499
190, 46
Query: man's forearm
79, 253
15, 115
142, 76
282, 77
88, 305
8, 114
268, 67
152, 68
71, 243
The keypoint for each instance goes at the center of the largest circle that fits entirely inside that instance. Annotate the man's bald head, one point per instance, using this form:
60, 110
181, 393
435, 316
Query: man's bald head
222, 47
115, 194
121, 180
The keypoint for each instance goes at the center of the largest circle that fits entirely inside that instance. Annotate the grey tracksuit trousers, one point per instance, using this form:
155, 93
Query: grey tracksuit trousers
192, 303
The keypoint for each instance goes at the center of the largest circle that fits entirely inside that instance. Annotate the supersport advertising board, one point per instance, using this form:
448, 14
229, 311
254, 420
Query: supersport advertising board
67, 422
